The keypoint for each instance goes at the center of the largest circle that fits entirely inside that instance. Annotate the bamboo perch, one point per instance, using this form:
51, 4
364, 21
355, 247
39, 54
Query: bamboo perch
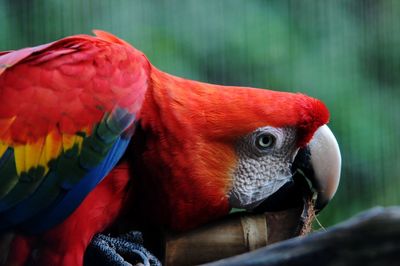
233, 235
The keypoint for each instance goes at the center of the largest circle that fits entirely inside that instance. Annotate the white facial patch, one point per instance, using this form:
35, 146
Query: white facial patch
262, 169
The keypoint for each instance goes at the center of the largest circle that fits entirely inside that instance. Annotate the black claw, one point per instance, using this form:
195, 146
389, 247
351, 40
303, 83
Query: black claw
120, 251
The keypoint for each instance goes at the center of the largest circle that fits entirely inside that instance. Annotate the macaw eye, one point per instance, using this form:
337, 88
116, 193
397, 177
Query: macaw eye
265, 141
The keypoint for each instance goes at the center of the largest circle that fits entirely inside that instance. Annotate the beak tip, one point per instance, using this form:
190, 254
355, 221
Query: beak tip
326, 162
320, 204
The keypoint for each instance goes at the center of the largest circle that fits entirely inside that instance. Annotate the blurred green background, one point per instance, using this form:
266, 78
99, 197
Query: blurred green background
346, 53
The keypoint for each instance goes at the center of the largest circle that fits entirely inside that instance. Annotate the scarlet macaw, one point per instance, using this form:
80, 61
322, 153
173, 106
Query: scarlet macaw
88, 128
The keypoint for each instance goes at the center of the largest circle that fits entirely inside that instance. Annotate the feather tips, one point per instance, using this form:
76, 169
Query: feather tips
3, 148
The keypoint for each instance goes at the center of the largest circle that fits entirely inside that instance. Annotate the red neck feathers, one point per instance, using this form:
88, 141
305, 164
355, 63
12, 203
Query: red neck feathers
190, 133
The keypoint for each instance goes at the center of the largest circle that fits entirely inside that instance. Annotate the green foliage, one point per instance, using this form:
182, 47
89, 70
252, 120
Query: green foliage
344, 52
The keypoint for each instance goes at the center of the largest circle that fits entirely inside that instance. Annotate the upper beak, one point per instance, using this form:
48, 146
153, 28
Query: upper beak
325, 161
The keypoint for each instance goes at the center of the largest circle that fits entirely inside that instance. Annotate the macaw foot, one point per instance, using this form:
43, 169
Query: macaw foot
120, 251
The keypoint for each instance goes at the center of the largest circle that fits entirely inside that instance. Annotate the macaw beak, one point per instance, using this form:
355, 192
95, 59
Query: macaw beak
316, 175
325, 161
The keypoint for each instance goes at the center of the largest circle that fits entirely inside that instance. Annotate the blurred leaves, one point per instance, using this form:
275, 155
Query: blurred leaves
346, 53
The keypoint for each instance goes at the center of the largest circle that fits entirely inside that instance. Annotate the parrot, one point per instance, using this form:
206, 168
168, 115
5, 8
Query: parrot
91, 132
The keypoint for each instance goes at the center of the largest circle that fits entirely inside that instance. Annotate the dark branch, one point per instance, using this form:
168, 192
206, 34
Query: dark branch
371, 238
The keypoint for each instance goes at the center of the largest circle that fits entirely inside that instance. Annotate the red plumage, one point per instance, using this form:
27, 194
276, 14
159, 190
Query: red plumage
68, 84
178, 171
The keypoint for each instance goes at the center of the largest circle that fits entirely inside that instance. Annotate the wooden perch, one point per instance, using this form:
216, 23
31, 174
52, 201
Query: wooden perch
232, 235
370, 238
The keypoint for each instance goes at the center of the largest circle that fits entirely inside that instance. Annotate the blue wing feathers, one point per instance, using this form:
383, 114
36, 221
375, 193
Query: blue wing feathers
75, 196
69, 198
70, 179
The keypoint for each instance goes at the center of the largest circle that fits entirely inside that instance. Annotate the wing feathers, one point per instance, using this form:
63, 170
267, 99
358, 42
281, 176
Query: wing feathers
66, 116
69, 84
9, 177
11, 58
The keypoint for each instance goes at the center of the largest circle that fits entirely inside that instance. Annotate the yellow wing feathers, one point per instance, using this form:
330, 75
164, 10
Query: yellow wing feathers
3, 148
42, 151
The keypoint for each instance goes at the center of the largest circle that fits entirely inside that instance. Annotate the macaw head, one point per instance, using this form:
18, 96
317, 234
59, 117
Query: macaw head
208, 149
